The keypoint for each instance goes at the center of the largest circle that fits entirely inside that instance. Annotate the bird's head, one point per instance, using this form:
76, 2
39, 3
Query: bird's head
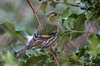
52, 17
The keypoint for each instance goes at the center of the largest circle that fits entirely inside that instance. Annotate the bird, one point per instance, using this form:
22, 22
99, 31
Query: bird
47, 32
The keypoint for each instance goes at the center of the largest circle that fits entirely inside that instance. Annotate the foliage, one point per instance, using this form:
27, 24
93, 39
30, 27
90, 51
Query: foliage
76, 14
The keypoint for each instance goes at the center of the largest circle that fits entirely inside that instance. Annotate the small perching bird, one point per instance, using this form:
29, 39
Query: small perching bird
46, 33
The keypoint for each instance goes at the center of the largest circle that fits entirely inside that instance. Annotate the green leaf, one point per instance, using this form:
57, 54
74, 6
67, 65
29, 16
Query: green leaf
66, 13
2, 30
10, 29
79, 23
9, 59
62, 40
44, 6
60, 8
94, 45
36, 60
7, 26
73, 2
53, 4
68, 23
76, 10
19, 35
89, 15
74, 15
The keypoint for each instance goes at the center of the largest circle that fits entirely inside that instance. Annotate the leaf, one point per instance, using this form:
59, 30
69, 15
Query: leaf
66, 13
19, 28
20, 36
62, 40
74, 15
89, 15
7, 26
14, 33
36, 60
9, 59
53, 4
73, 1
76, 10
60, 8
44, 6
68, 23
2, 30
94, 45
79, 23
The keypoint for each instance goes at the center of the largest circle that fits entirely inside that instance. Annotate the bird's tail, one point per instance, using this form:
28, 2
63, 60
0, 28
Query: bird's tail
20, 52
29, 46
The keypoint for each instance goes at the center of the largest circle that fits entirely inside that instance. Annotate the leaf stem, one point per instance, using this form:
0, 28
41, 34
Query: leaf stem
76, 31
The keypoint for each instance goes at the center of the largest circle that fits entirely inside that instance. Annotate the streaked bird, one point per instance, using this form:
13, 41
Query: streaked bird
47, 32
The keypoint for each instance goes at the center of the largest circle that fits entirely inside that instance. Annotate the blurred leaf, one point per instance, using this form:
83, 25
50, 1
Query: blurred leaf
66, 13
94, 45
53, 4
79, 23
81, 51
73, 2
10, 28
60, 8
76, 10
2, 30
92, 1
20, 36
67, 63
9, 59
16, 47
89, 15
44, 6
73, 15
97, 60
62, 40
68, 23
7, 26
19, 28
67, 60
36, 60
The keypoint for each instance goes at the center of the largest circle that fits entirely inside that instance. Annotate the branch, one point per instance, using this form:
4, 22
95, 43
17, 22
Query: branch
40, 5
32, 7
54, 56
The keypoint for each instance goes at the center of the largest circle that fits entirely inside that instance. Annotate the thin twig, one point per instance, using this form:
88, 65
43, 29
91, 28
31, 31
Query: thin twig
37, 18
54, 56
40, 6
